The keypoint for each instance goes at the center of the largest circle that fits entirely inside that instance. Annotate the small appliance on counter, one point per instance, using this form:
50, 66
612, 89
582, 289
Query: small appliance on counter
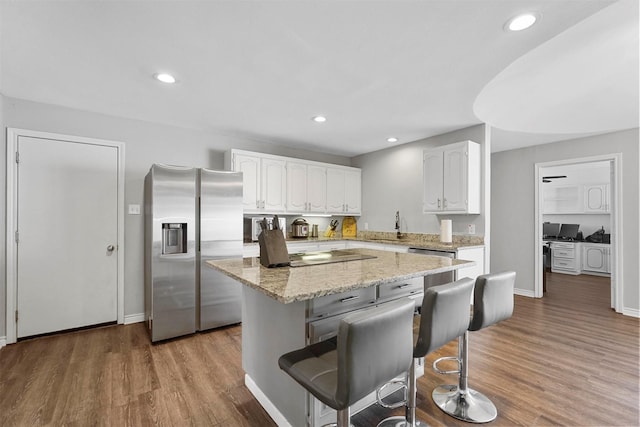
300, 228
252, 227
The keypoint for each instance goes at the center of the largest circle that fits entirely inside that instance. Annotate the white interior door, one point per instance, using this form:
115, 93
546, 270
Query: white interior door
67, 222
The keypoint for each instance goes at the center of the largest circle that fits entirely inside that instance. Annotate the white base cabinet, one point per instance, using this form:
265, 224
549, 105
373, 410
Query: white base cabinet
565, 257
596, 258
581, 258
471, 254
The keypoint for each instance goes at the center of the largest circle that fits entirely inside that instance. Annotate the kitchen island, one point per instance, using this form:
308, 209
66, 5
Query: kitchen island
289, 307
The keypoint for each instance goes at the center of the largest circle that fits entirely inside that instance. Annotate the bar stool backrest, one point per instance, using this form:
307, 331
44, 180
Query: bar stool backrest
445, 315
374, 346
492, 299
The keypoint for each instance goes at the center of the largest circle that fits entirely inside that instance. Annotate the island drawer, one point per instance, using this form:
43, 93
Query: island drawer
325, 328
330, 305
400, 289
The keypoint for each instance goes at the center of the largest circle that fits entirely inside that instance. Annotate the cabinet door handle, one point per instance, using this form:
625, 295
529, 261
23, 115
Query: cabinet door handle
351, 298
438, 201
444, 202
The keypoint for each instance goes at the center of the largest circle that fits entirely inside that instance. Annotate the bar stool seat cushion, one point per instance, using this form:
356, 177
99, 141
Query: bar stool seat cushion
316, 367
373, 346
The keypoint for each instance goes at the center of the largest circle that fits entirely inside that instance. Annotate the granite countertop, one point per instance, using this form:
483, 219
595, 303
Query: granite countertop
290, 284
413, 240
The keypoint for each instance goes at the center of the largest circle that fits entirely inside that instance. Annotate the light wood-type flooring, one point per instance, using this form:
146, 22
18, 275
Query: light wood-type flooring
565, 359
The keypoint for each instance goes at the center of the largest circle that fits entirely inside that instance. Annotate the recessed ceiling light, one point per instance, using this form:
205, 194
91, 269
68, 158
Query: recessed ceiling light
319, 119
165, 78
392, 139
521, 22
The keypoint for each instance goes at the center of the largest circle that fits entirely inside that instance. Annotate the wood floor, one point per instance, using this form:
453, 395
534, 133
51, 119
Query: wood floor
565, 359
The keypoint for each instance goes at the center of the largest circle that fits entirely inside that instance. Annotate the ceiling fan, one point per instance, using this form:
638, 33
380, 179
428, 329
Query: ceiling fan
549, 178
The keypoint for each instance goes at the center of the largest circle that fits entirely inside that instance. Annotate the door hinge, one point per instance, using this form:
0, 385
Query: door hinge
17, 157
16, 316
17, 236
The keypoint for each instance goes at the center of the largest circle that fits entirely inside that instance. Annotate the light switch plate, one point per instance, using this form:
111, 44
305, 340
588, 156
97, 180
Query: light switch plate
134, 209
471, 229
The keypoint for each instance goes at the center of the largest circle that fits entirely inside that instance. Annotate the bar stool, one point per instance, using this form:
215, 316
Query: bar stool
492, 303
341, 372
444, 317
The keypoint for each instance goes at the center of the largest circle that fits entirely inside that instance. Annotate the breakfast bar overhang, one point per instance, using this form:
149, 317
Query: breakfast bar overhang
287, 308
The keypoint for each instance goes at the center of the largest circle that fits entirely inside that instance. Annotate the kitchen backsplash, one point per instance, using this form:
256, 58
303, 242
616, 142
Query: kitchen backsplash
421, 237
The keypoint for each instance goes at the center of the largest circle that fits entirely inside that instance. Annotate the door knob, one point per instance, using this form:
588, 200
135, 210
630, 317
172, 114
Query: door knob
110, 248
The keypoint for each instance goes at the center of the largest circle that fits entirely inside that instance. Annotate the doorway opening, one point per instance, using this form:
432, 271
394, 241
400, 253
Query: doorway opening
579, 200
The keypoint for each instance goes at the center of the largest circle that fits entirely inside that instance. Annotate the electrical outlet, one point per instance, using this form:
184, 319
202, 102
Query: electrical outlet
471, 229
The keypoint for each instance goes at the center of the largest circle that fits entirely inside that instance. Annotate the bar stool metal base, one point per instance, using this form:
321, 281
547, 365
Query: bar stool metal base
400, 422
472, 407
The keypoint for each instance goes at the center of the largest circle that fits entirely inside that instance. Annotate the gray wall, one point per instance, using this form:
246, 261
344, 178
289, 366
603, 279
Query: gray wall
145, 143
3, 177
392, 181
513, 196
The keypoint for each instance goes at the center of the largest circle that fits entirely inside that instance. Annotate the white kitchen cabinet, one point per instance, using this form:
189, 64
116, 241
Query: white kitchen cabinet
596, 258
471, 254
264, 182
344, 191
596, 198
451, 179
276, 184
562, 199
306, 188
565, 257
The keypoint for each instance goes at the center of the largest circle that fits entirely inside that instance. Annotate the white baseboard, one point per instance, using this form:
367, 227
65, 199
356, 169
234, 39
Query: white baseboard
273, 412
524, 292
3, 341
133, 318
633, 312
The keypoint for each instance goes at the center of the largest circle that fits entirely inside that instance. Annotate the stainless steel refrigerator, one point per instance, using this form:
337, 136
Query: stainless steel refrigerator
191, 216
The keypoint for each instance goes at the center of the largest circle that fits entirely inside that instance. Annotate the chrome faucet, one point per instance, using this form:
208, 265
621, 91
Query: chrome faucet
398, 234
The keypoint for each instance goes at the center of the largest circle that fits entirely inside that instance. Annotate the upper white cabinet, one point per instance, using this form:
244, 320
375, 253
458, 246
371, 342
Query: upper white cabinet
596, 198
576, 199
264, 182
451, 179
344, 191
562, 199
306, 187
276, 184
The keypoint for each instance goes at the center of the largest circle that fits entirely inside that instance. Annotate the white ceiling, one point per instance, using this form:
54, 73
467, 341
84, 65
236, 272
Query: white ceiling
262, 69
